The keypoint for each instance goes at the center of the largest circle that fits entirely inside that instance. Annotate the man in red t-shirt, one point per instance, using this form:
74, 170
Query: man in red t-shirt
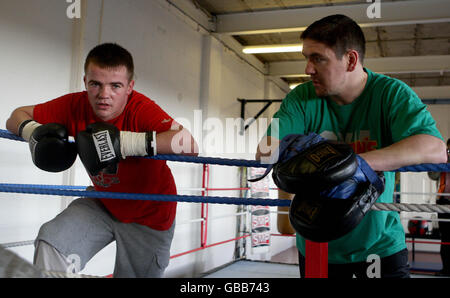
113, 125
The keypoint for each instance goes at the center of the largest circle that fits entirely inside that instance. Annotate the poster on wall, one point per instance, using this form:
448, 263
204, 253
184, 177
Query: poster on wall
260, 215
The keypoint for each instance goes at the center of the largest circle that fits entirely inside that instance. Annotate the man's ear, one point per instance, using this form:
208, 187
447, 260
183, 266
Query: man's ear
130, 87
353, 58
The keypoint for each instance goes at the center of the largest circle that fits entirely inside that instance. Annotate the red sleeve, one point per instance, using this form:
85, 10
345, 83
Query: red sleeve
58, 110
150, 116
71, 110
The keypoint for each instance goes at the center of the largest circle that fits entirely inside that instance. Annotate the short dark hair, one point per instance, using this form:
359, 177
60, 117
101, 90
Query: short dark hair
110, 55
339, 32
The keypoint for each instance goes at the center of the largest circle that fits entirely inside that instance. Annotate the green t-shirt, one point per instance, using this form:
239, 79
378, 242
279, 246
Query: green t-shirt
386, 112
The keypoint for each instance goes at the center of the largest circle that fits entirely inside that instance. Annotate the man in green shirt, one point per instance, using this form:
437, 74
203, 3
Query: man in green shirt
381, 118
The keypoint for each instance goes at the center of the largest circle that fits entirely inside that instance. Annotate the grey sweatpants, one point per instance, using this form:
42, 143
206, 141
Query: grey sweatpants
85, 227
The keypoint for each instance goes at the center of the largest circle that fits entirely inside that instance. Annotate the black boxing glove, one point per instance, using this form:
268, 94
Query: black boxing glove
50, 148
323, 216
320, 166
101, 146
304, 161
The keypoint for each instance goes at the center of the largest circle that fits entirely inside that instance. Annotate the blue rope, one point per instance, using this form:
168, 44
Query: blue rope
211, 160
42, 186
71, 191
181, 158
7, 135
441, 167
444, 167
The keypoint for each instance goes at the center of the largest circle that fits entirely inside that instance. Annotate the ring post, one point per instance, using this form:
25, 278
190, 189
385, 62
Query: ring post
316, 259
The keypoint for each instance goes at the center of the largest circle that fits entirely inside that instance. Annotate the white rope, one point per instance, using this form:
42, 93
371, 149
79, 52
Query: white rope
411, 207
54, 274
16, 244
423, 193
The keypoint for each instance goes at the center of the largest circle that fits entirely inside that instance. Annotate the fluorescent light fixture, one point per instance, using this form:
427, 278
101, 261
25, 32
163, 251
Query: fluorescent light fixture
281, 48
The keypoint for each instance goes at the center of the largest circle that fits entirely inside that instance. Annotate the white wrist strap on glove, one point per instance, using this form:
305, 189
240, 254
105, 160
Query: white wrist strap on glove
26, 129
136, 143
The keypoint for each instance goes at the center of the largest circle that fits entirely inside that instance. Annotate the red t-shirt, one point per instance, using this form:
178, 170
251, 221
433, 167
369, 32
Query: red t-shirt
134, 174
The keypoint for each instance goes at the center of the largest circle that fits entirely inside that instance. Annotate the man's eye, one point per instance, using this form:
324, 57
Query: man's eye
116, 86
319, 59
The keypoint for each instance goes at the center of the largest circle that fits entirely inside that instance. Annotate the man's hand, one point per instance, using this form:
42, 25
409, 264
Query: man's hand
50, 148
101, 146
266, 148
283, 223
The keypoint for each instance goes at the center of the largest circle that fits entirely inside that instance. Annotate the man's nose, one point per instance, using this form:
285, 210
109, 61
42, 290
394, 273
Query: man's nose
104, 92
309, 69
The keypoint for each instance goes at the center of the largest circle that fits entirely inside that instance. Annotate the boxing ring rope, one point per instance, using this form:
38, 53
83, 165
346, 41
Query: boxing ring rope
247, 163
319, 251
76, 191
70, 192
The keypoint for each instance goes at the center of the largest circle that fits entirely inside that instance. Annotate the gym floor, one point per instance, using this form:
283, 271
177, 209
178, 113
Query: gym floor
285, 265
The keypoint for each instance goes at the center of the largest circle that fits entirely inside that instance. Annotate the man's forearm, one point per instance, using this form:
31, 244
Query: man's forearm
413, 150
176, 142
283, 224
18, 116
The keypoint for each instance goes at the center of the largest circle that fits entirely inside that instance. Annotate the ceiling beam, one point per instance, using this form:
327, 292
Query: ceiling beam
192, 12
289, 20
387, 65
233, 45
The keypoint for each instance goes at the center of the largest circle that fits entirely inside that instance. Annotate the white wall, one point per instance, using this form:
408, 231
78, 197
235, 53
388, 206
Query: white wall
35, 49
179, 66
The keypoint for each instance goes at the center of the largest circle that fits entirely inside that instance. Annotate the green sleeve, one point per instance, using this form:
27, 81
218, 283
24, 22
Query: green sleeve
408, 115
290, 118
